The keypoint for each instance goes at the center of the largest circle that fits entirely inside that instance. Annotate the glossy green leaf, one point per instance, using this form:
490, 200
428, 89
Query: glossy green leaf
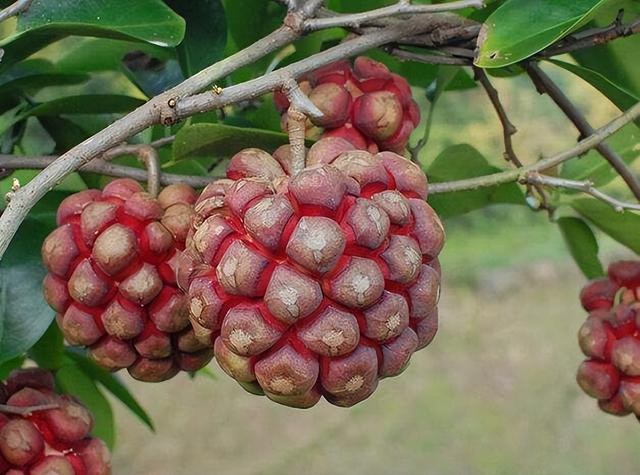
206, 34
87, 104
521, 28
595, 168
218, 140
34, 74
612, 59
24, 315
112, 383
48, 352
250, 20
621, 97
582, 245
104, 54
623, 227
45, 22
463, 161
8, 366
154, 78
72, 380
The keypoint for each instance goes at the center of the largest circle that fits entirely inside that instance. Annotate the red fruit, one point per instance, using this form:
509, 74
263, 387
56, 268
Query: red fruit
50, 441
610, 338
365, 104
319, 284
111, 276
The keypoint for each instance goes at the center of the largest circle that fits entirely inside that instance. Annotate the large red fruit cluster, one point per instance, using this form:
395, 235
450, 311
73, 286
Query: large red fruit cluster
54, 441
111, 279
317, 284
366, 104
610, 338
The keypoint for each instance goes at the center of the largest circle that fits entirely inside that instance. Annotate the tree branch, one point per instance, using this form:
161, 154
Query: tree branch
14, 9
300, 100
355, 20
594, 37
514, 175
535, 178
26, 410
404, 55
97, 165
544, 84
256, 87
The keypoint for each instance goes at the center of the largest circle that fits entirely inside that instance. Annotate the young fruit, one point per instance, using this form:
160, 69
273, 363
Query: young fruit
112, 282
51, 441
366, 104
317, 284
610, 338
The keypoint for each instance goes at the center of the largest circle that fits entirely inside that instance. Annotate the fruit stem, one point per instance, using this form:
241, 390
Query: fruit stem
296, 125
26, 410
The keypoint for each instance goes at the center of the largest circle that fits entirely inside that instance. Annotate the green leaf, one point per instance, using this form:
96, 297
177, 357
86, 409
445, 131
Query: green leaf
35, 74
520, 28
218, 140
582, 245
87, 104
154, 78
45, 22
72, 380
104, 54
621, 97
612, 59
8, 366
112, 384
48, 352
463, 161
24, 315
598, 170
623, 227
250, 20
206, 34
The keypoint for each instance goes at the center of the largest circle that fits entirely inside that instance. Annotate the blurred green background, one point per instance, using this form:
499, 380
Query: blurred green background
493, 394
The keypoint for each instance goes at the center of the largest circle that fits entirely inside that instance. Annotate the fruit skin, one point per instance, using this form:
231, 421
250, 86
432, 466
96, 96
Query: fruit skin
52, 441
364, 103
317, 284
610, 338
112, 282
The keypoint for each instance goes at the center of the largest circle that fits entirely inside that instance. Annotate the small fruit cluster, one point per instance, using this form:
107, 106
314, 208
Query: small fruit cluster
366, 104
45, 433
112, 281
610, 338
317, 284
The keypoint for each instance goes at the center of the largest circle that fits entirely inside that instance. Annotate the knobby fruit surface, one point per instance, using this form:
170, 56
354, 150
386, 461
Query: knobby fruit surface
363, 103
610, 338
318, 284
111, 279
55, 441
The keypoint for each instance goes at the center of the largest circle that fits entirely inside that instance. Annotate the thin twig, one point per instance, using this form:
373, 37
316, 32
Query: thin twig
26, 410
404, 55
300, 100
149, 157
510, 176
355, 20
14, 9
595, 37
508, 130
16, 162
545, 84
535, 178
296, 128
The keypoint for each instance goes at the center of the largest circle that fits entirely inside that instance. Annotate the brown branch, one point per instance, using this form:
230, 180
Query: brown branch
26, 410
404, 55
510, 176
16, 162
586, 186
355, 20
594, 37
300, 100
14, 9
545, 84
